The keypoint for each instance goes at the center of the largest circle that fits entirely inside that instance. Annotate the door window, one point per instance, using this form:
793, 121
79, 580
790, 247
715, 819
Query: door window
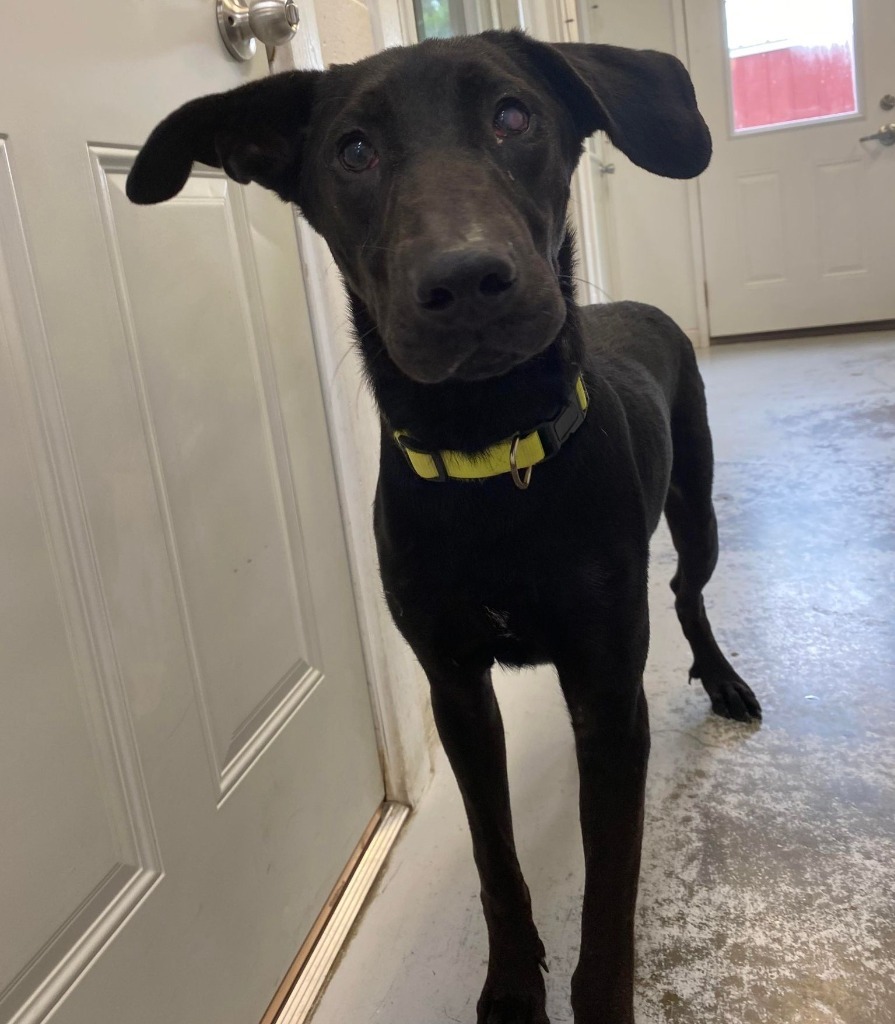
791, 61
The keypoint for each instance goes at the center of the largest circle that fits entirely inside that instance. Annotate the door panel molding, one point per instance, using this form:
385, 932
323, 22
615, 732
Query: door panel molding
762, 216
842, 231
135, 865
234, 742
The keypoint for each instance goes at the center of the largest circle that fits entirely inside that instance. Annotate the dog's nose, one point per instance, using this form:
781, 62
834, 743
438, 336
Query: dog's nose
473, 280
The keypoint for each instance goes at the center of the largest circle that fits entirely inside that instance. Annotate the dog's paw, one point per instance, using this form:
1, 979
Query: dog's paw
514, 997
731, 697
515, 1008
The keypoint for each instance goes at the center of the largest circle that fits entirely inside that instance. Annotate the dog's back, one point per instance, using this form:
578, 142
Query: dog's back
633, 334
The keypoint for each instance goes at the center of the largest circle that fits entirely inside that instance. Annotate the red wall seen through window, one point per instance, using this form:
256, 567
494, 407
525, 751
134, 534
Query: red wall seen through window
793, 83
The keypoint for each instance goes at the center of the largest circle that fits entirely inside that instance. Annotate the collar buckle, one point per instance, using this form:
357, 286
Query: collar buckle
409, 450
555, 433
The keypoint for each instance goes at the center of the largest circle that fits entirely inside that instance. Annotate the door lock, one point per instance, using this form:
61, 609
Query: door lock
885, 136
272, 21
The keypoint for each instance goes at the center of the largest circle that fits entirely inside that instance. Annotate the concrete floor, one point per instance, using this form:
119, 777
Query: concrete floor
768, 883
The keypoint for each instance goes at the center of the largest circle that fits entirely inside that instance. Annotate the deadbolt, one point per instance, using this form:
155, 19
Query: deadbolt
272, 21
887, 102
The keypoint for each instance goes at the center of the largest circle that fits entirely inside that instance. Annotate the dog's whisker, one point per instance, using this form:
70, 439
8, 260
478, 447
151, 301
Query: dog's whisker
339, 366
590, 284
367, 247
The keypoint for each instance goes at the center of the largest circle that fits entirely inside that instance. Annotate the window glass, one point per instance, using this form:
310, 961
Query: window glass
439, 18
790, 61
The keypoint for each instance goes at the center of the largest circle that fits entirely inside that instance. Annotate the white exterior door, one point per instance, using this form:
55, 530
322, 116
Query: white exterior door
797, 219
187, 749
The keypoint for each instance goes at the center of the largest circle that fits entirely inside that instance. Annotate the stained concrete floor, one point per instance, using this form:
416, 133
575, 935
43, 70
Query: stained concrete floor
768, 883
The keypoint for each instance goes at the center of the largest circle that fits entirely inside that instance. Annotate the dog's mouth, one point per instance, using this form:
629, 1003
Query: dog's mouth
483, 365
473, 362
431, 356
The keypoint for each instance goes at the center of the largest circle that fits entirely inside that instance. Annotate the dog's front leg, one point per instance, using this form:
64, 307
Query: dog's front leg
604, 692
471, 730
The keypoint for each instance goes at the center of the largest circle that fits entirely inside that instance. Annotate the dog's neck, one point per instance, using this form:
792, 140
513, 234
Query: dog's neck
471, 415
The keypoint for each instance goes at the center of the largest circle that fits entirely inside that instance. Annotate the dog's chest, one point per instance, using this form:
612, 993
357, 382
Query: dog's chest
497, 586
504, 619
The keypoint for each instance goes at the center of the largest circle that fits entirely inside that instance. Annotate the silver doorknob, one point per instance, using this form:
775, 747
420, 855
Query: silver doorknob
885, 136
272, 21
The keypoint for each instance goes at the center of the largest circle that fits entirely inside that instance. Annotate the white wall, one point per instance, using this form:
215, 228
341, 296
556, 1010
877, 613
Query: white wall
345, 31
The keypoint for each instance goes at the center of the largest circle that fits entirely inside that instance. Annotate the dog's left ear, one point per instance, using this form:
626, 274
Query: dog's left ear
254, 133
642, 99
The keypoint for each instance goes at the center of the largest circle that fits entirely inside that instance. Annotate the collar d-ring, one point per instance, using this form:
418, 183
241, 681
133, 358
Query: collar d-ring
521, 481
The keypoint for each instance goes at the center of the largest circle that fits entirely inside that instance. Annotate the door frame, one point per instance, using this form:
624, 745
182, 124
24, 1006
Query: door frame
681, 50
398, 691
694, 193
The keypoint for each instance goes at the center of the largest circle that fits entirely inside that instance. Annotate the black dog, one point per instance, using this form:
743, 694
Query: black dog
529, 446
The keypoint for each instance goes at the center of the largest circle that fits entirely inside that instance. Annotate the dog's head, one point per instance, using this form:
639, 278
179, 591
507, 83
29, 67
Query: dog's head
439, 176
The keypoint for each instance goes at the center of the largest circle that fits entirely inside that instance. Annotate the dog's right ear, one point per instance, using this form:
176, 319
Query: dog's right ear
642, 99
254, 133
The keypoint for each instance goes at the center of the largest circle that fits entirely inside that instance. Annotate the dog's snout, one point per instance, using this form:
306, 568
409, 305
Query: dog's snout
473, 279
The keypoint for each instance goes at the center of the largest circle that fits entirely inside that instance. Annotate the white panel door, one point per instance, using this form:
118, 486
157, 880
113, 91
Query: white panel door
798, 220
187, 750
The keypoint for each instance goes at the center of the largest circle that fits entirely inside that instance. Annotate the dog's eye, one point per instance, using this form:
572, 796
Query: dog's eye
356, 153
511, 118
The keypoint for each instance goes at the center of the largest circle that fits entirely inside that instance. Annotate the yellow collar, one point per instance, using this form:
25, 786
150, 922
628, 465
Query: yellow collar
520, 452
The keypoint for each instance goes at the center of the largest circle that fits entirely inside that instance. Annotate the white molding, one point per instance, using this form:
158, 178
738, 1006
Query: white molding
694, 195
39, 989
65, 513
56, 968
597, 253
393, 22
104, 160
264, 723
270, 716
542, 19
305, 50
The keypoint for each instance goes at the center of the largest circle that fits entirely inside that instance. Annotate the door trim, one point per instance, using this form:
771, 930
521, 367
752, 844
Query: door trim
694, 196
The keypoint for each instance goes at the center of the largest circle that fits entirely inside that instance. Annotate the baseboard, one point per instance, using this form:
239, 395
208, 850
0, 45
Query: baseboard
824, 331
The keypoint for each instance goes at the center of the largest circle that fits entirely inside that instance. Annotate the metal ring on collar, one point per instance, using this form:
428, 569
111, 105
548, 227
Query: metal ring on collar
524, 480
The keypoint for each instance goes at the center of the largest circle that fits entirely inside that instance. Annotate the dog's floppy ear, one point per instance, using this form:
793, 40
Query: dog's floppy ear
254, 132
642, 99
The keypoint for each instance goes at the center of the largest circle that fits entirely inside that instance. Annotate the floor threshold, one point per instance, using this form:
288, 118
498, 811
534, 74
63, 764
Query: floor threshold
303, 985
